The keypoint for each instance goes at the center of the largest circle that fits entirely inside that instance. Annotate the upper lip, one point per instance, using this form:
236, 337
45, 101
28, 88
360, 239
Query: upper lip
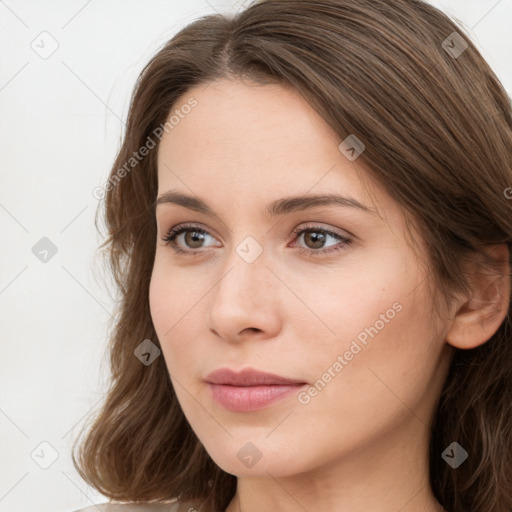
248, 377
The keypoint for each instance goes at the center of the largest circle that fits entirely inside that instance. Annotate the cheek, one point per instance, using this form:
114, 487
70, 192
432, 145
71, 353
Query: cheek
350, 300
384, 383
160, 300
380, 323
165, 306
387, 362
170, 293
175, 307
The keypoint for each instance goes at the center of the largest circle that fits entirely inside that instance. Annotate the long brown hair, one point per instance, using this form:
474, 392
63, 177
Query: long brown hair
438, 133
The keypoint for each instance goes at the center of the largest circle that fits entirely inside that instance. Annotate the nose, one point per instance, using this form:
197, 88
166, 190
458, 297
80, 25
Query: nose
247, 301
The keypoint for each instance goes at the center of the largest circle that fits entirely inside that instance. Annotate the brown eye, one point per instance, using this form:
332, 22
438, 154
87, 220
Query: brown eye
186, 238
193, 239
315, 238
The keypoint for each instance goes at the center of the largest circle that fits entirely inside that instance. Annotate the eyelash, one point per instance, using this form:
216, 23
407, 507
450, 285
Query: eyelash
183, 228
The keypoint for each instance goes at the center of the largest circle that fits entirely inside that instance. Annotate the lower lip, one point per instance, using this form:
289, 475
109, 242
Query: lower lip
251, 398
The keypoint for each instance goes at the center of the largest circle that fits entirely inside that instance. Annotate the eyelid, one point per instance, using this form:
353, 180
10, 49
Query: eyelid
198, 226
321, 226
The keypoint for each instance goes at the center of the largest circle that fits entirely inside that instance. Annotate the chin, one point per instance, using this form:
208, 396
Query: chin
258, 458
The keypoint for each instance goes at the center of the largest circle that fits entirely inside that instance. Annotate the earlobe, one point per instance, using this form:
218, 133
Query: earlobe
478, 318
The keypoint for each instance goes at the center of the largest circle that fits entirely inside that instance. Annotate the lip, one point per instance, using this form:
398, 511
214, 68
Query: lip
250, 389
248, 377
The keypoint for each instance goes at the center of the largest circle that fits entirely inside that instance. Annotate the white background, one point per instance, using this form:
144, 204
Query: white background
60, 128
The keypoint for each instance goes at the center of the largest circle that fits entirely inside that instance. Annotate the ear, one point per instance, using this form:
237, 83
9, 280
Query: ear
478, 318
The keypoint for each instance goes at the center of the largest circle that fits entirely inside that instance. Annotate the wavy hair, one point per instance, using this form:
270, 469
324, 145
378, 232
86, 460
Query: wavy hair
438, 133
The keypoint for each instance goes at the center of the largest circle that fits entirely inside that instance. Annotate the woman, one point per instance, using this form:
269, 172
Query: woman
310, 224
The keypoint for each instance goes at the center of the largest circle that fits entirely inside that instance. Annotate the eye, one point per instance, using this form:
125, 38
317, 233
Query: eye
316, 236
191, 234
193, 237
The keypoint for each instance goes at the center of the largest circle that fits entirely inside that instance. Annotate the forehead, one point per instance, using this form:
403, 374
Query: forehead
243, 118
250, 142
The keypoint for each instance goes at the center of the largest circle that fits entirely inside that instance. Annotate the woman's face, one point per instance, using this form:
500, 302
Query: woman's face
268, 281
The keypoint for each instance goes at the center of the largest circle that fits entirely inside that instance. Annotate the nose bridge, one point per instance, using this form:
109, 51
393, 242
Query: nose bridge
247, 274
245, 296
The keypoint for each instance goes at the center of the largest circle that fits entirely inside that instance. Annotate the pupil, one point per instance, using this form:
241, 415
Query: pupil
194, 236
318, 239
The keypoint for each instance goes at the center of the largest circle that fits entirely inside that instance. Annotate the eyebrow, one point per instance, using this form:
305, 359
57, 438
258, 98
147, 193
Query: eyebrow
276, 208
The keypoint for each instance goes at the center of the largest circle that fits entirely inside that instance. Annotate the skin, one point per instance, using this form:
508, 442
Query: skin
362, 442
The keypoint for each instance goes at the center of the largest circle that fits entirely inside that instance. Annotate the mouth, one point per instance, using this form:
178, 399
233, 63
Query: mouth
250, 390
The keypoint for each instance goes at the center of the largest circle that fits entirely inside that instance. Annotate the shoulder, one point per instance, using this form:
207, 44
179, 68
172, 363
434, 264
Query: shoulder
131, 507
